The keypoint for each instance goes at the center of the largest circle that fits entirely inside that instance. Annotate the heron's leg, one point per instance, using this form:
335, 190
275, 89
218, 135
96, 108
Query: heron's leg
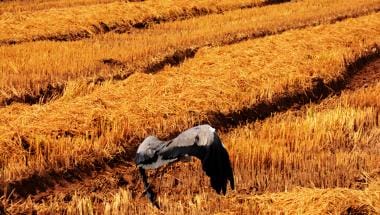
148, 189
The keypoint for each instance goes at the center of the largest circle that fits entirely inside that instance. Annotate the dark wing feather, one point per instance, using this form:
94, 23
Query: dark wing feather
217, 166
180, 151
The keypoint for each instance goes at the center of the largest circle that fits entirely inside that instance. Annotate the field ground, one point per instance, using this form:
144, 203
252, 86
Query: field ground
34, 72
295, 100
73, 23
338, 139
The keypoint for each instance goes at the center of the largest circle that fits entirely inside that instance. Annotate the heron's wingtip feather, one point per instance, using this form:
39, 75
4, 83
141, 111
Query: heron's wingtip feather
217, 166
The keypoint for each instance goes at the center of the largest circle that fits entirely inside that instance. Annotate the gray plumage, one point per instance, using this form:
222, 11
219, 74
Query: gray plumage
201, 142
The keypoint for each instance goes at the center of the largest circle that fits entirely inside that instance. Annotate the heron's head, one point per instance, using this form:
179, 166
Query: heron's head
150, 139
149, 145
147, 149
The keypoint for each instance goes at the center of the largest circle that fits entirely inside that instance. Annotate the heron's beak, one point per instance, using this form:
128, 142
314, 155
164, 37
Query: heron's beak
139, 158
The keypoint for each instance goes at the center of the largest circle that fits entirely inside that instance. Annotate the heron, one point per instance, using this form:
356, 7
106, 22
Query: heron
201, 142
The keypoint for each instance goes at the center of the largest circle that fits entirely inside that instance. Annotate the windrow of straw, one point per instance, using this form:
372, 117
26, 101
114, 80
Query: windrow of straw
84, 21
92, 122
16, 6
42, 68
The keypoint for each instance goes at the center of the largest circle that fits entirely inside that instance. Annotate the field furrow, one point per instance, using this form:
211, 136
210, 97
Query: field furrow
91, 124
38, 71
331, 149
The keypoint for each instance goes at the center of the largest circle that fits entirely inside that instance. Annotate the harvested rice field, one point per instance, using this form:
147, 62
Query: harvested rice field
291, 87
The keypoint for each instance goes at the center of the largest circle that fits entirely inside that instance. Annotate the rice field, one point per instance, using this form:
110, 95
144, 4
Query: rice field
33, 71
72, 23
322, 158
12, 6
291, 87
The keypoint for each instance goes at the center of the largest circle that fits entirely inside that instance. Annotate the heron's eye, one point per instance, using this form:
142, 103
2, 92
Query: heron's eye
196, 140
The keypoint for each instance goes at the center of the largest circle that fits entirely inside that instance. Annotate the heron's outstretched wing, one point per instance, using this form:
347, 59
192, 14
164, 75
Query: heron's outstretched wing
203, 143
216, 163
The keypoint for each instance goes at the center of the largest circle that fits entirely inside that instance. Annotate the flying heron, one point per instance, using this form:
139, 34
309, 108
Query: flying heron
201, 142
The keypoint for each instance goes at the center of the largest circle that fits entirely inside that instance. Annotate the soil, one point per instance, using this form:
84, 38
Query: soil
369, 75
